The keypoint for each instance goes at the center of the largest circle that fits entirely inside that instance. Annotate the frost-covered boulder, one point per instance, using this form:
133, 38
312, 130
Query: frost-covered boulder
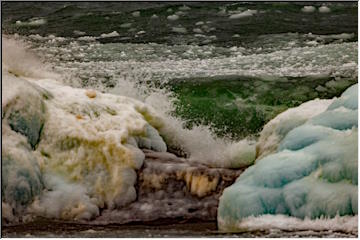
23, 107
23, 117
94, 139
67, 153
313, 172
21, 177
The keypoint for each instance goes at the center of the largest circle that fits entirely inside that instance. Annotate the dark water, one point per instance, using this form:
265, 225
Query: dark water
166, 228
98, 17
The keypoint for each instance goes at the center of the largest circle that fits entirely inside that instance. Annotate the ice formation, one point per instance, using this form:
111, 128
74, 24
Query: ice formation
247, 13
308, 9
32, 22
312, 174
324, 9
173, 17
112, 34
276, 129
69, 152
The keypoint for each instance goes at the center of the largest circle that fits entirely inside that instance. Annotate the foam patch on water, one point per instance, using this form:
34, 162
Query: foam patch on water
348, 224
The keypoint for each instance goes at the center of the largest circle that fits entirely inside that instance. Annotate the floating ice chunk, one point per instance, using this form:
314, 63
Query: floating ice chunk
180, 13
125, 25
136, 14
247, 13
173, 17
112, 34
87, 38
199, 23
308, 9
197, 30
324, 9
32, 22
184, 8
79, 33
179, 30
36, 37
312, 43
154, 16
200, 35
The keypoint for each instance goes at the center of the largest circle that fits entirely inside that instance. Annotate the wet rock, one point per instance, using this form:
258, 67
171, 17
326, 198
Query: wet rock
171, 187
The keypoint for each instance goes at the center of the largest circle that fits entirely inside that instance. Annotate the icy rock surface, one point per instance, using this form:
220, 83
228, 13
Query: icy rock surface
68, 153
312, 174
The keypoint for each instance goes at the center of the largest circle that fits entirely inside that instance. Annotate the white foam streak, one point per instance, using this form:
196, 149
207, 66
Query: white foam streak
348, 224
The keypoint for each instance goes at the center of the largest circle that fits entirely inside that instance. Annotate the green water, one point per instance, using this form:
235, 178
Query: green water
245, 104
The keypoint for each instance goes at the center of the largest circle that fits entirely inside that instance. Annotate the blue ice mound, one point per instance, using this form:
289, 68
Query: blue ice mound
313, 172
22, 120
24, 108
21, 177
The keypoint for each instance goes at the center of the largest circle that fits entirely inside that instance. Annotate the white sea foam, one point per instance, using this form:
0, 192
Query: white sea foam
348, 224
